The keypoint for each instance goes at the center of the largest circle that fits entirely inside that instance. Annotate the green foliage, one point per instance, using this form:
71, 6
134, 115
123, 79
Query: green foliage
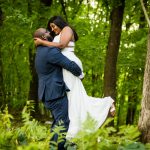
31, 129
28, 134
6, 129
147, 146
107, 137
31, 135
15, 34
91, 20
6, 119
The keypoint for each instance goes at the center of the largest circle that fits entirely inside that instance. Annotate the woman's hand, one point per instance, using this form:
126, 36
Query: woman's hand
38, 41
81, 76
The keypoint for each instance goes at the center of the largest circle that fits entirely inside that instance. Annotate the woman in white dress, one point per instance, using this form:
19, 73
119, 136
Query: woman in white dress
80, 104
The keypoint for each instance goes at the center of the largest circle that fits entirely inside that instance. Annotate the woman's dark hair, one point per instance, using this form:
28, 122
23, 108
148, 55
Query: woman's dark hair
61, 23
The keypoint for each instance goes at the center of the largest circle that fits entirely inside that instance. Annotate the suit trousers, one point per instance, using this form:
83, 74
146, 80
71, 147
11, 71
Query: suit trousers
59, 111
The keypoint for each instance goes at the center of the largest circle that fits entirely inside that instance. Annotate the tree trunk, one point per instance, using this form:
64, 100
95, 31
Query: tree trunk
144, 120
63, 4
33, 92
131, 107
47, 2
1, 17
142, 17
1, 66
112, 50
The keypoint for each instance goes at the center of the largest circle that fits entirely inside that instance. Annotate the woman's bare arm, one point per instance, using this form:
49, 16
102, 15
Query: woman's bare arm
65, 38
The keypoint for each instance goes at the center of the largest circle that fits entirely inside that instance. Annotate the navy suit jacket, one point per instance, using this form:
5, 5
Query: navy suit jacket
49, 62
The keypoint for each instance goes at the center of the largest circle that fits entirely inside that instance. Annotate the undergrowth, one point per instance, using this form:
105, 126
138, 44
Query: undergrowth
32, 135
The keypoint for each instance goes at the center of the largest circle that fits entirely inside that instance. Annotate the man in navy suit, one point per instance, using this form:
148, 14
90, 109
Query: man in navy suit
52, 89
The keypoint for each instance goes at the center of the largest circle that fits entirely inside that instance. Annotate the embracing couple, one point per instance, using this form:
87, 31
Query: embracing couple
60, 87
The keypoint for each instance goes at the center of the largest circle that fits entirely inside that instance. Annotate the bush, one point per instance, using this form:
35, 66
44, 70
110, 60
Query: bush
31, 135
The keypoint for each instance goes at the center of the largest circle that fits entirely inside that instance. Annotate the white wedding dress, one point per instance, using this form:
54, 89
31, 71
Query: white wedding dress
80, 104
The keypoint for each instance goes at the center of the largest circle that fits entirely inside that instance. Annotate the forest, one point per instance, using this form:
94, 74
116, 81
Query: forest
114, 47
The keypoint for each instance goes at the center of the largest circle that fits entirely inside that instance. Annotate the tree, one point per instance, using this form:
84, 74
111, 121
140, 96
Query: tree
1, 76
47, 2
33, 92
113, 48
144, 119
